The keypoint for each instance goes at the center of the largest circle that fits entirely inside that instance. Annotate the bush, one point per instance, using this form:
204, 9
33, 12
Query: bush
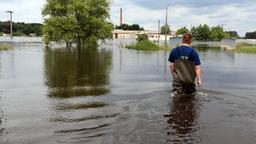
144, 45
142, 37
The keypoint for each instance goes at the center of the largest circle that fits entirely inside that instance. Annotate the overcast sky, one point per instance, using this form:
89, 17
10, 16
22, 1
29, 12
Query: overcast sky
236, 15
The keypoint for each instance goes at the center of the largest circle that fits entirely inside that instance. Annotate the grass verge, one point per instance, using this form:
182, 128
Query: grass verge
5, 46
144, 45
245, 48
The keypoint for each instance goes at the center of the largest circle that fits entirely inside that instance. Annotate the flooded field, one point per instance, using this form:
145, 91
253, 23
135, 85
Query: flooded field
118, 96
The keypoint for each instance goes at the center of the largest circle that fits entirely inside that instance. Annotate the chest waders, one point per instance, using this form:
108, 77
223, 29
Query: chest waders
184, 74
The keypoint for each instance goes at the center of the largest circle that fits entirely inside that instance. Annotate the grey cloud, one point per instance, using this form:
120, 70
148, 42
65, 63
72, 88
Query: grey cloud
153, 4
7, 1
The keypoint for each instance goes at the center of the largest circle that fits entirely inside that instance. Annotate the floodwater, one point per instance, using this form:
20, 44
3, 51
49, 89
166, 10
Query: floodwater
118, 96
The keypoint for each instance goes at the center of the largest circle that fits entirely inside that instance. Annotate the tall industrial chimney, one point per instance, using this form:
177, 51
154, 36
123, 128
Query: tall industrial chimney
121, 16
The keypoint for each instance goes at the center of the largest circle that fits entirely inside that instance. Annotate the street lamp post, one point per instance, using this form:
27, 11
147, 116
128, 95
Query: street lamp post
158, 32
166, 23
10, 12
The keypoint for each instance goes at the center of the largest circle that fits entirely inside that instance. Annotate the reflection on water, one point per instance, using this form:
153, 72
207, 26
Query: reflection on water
2, 130
114, 96
71, 74
206, 48
182, 119
207, 51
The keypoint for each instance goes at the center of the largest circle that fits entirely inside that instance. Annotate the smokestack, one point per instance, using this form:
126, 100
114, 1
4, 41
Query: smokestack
121, 16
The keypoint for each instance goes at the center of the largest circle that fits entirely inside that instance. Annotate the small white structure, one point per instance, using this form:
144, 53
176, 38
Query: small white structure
123, 34
161, 37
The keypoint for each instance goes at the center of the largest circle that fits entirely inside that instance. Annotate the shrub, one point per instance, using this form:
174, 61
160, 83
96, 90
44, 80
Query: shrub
142, 37
144, 45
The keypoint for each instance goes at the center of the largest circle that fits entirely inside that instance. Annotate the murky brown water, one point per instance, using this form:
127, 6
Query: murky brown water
115, 95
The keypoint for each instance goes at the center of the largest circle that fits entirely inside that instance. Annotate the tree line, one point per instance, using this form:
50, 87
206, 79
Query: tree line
206, 33
250, 35
129, 27
21, 28
203, 32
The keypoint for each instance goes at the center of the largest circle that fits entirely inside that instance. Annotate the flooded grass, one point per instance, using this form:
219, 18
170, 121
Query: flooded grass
5, 46
144, 45
205, 48
245, 48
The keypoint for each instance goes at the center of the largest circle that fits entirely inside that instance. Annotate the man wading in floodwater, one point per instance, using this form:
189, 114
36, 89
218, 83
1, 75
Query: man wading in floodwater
185, 67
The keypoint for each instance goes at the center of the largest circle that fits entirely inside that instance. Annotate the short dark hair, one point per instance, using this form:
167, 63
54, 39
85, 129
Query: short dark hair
187, 38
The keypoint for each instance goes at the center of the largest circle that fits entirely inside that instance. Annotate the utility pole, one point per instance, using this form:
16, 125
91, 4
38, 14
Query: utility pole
166, 26
121, 16
10, 12
158, 36
166, 23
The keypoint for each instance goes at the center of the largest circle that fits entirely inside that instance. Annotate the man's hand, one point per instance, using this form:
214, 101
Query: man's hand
198, 75
199, 82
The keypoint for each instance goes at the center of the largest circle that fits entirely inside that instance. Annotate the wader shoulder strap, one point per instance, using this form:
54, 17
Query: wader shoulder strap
191, 54
178, 51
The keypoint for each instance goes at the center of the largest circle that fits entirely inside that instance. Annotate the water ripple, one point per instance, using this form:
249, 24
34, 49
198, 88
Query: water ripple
79, 106
95, 117
81, 129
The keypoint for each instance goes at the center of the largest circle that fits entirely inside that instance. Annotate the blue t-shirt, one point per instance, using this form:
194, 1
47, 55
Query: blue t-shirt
186, 53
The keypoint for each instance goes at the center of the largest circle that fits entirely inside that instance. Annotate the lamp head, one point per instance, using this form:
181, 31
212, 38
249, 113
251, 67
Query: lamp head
9, 11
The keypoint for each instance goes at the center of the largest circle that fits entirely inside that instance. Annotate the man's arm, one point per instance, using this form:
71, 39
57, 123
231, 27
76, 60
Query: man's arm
198, 75
172, 67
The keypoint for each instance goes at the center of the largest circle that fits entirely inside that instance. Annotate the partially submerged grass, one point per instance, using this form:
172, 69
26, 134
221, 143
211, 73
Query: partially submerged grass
5, 46
144, 45
245, 48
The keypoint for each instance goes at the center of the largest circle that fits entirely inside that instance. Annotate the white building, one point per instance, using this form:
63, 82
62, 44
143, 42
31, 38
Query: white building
156, 37
123, 34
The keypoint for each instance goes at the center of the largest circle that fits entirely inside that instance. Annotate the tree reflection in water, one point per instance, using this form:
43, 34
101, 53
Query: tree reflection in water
182, 119
69, 73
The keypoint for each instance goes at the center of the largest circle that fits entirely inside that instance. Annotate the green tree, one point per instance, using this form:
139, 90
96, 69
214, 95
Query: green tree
201, 32
21, 28
250, 35
165, 29
83, 22
129, 27
232, 34
142, 37
18, 33
182, 31
217, 33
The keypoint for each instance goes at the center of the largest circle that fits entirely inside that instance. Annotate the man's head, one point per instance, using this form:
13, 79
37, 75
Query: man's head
187, 38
